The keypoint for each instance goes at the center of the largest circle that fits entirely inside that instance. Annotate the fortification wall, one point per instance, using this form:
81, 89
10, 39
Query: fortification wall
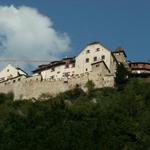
33, 87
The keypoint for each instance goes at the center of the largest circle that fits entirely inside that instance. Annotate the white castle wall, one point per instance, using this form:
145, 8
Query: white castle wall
33, 87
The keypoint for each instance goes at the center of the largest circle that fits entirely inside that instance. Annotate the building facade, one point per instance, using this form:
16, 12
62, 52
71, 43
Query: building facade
92, 53
79, 65
94, 62
57, 70
139, 69
10, 72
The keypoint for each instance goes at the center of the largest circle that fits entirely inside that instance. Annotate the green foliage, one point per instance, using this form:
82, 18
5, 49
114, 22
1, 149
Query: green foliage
90, 88
121, 75
119, 120
71, 95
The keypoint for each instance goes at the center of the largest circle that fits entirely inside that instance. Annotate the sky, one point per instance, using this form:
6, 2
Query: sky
51, 29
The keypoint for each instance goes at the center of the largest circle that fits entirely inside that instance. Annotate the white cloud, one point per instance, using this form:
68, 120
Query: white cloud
27, 34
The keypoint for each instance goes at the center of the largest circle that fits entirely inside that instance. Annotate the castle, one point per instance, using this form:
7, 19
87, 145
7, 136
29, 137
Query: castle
94, 62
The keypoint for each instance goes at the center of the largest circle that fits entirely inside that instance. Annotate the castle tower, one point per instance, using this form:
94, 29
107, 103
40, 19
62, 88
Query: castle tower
120, 55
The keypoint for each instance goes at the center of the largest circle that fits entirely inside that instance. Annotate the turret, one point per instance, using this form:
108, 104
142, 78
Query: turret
120, 55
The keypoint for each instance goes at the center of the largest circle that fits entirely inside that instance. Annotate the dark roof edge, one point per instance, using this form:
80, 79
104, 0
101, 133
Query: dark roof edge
22, 70
122, 52
103, 63
139, 62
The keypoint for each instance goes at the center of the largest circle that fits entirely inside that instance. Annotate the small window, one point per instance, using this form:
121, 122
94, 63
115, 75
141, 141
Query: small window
97, 65
66, 66
95, 58
58, 72
103, 57
86, 69
87, 60
88, 51
98, 49
14, 81
18, 79
7, 70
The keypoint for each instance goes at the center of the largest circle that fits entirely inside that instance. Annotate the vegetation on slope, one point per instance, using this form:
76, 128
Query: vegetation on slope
101, 119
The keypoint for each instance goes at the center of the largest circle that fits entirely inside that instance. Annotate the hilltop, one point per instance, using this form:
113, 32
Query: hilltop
107, 118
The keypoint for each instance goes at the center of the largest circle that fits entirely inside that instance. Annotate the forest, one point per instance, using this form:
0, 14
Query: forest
99, 119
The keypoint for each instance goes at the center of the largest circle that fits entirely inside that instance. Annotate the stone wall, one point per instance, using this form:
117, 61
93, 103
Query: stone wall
33, 87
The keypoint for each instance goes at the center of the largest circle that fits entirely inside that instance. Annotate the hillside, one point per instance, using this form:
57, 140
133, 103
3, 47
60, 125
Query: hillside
101, 119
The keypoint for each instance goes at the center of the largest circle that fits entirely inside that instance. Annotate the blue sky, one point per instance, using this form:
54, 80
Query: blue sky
114, 23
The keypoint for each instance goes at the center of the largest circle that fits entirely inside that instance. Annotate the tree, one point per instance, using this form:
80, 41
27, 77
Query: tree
121, 75
90, 88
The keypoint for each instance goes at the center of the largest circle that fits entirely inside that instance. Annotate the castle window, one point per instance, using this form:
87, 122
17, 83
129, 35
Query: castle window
7, 70
88, 51
95, 58
67, 66
86, 69
103, 57
52, 77
87, 60
98, 49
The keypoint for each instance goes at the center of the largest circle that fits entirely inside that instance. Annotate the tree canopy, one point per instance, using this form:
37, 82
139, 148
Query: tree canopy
109, 119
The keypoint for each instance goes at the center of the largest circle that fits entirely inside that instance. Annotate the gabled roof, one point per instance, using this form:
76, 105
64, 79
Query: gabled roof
15, 68
92, 43
54, 64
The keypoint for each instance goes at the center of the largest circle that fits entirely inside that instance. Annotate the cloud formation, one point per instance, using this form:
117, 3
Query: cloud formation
27, 34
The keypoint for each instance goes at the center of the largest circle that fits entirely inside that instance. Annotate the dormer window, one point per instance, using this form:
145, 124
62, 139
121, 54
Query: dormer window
88, 51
